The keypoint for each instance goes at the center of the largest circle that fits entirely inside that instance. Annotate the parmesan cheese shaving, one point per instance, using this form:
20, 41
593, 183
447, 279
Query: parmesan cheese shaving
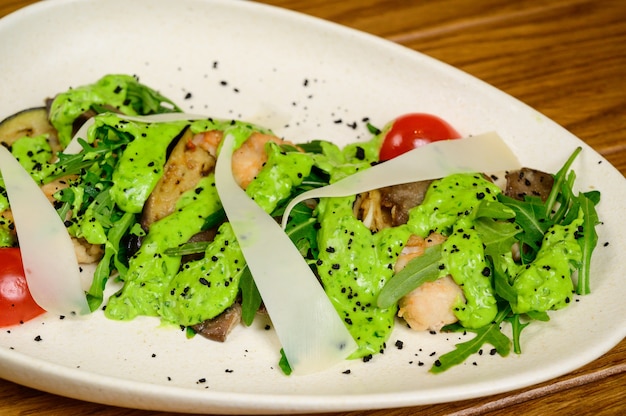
47, 251
484, 153
311, 332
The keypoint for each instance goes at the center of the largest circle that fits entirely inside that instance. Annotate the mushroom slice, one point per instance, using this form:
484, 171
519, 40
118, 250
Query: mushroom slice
527, 181
218, 328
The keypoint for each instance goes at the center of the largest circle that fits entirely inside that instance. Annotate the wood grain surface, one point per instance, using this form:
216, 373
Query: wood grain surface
565, 58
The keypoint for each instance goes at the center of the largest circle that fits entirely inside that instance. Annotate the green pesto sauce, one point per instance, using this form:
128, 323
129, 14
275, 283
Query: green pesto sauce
4, 199
7, 237
150, 270
449, 199
122, 93
464, 259
205, 288
339, 163
546, 283
354, 265
281, 173
34, 154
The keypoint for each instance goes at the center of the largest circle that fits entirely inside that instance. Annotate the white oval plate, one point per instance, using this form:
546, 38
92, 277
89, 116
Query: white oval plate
306, 79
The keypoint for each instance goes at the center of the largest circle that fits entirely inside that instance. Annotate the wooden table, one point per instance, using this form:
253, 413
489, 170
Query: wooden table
565, 58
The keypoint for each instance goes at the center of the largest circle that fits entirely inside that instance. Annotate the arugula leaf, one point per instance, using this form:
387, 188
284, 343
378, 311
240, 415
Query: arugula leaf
559, 178
531, 217
103, 270
302, 230
145, 100
497, 236
284, 364
214, 219
488, 334
517, 327
250, 297
421, 269
196, 247
587, 241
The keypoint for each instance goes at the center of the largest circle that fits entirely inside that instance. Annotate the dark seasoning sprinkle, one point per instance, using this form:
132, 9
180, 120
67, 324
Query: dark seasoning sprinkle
338, 117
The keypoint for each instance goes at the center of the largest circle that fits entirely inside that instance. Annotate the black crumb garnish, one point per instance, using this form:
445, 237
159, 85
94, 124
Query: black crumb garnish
348, 371
399, 344
38, 338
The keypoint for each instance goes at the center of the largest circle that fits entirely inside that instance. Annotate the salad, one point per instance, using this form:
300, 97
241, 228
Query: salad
133, 181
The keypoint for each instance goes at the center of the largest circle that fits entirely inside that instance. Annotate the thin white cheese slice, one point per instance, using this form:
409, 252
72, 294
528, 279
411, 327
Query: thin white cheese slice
48, 255
483, 153
311, 332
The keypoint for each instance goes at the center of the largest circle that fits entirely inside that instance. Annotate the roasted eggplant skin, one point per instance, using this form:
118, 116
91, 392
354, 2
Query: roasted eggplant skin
31, 122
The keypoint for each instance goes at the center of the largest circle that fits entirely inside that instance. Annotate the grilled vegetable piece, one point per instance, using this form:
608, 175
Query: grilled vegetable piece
31, 122
399, 199
218, 328
185, 166
527, 181
390, 206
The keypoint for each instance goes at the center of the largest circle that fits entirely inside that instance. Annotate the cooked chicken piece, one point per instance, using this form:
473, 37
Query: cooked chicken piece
87, 253
430, 306
248, 159
415, 247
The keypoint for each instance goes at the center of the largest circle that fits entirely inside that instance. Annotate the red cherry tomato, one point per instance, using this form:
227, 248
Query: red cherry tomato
16, 303
414, 130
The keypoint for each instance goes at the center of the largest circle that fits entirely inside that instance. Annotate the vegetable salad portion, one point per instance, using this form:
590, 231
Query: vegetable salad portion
464, 252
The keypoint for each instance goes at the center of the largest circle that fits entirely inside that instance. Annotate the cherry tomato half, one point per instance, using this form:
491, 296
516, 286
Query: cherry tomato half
414, 130
16, 303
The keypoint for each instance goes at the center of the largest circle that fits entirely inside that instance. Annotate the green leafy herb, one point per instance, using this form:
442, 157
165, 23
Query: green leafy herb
421, 269
488, 334
111, 249
284, 364
517, 327
250, 297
